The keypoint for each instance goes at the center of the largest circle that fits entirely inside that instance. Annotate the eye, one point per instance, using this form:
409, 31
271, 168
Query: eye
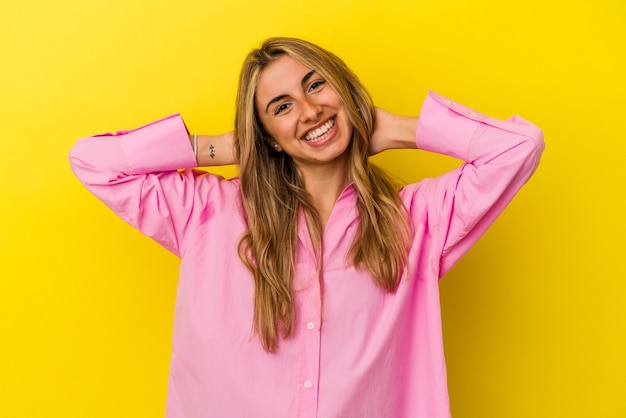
316, 85
281, 108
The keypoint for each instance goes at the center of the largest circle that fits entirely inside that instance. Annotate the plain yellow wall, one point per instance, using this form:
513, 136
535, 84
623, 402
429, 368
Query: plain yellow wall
534, 315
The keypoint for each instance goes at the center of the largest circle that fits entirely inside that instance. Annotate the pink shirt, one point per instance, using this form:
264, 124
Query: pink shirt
357, 351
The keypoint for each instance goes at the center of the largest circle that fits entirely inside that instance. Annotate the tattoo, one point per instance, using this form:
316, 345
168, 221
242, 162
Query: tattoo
212, 148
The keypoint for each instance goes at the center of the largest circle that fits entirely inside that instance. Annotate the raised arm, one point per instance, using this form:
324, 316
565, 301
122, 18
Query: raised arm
499, 157
137, 174
392, 132
214, 150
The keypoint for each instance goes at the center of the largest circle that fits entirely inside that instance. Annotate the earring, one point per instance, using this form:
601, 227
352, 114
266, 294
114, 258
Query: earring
275, 145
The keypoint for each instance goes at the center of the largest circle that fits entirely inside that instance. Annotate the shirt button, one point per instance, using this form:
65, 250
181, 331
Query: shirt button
473, 114
448, 102
310, 325
308, 384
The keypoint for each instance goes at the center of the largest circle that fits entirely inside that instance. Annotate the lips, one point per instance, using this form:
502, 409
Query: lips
320, 133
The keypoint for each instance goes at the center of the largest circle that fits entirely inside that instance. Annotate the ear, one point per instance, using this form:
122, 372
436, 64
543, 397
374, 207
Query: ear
275, 146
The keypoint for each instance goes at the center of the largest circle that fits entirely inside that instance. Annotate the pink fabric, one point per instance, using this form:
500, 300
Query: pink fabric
357, 351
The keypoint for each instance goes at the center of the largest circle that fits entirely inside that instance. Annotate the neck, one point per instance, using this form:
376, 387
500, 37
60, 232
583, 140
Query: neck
325, 184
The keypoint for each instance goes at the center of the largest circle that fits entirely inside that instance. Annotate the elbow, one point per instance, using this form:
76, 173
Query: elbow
538, 141
77, 156
536, 147
74, 155
532, 132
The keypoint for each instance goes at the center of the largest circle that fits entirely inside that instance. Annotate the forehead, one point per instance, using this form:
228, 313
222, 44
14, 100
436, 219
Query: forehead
280, 77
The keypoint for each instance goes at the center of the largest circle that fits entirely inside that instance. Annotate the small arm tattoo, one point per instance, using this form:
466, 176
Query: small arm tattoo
212, 148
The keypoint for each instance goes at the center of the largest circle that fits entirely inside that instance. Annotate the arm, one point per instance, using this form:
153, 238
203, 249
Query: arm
499, 157
392, 132
136, 174
215, 150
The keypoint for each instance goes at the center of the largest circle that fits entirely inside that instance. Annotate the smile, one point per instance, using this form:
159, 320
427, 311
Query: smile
320, 133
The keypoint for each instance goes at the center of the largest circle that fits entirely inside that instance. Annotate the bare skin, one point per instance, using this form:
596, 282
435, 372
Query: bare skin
307, 119
392, 132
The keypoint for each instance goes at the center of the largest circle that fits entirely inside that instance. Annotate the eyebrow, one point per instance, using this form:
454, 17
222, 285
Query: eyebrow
278, 98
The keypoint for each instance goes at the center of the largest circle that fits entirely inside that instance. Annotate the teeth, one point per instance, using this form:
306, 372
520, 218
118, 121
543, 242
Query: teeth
319, 133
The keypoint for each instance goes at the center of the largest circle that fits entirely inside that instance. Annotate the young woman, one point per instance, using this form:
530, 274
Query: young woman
309, 285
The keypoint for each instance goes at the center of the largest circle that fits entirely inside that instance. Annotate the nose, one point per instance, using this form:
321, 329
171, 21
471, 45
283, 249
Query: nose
310, 111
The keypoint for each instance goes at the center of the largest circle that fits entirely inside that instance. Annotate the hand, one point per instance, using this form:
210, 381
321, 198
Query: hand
392, 132
382, 129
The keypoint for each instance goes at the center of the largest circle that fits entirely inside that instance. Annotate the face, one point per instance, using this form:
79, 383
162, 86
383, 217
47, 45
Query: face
303, 114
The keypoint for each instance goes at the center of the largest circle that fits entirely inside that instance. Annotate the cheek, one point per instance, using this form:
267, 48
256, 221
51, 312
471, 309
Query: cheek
335, 99
347, 122
267, 126
281, 128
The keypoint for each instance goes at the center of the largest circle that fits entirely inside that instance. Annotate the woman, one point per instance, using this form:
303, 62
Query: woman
309, 285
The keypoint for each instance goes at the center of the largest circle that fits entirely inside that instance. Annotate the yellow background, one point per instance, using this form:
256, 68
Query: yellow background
534, 315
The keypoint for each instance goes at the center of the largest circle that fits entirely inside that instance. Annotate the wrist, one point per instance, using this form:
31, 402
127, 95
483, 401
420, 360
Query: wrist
215, 150
402, 133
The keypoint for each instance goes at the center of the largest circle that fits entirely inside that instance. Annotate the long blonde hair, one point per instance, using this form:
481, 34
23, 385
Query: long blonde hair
273, 193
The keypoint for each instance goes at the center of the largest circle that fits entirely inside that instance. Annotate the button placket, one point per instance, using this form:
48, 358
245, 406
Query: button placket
310, 302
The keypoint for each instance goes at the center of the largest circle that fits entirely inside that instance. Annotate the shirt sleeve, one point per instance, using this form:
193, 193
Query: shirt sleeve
499, 157
135, 173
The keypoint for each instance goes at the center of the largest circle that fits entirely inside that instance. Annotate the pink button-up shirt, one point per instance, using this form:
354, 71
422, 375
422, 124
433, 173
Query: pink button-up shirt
357, 351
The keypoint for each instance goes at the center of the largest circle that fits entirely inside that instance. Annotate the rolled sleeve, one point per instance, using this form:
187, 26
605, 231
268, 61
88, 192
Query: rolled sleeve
159, 146
499, 157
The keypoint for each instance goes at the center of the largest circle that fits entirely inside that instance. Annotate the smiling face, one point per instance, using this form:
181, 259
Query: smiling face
303, 115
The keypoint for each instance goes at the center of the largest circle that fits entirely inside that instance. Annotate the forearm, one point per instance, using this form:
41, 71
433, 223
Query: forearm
392, 132
215, 150
447, 127
402, 134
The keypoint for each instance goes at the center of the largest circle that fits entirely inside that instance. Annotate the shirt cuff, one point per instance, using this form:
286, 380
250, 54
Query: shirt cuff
446, 127
162, 145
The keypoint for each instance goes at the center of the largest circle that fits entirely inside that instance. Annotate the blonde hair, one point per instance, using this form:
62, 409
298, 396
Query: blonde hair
273, 193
